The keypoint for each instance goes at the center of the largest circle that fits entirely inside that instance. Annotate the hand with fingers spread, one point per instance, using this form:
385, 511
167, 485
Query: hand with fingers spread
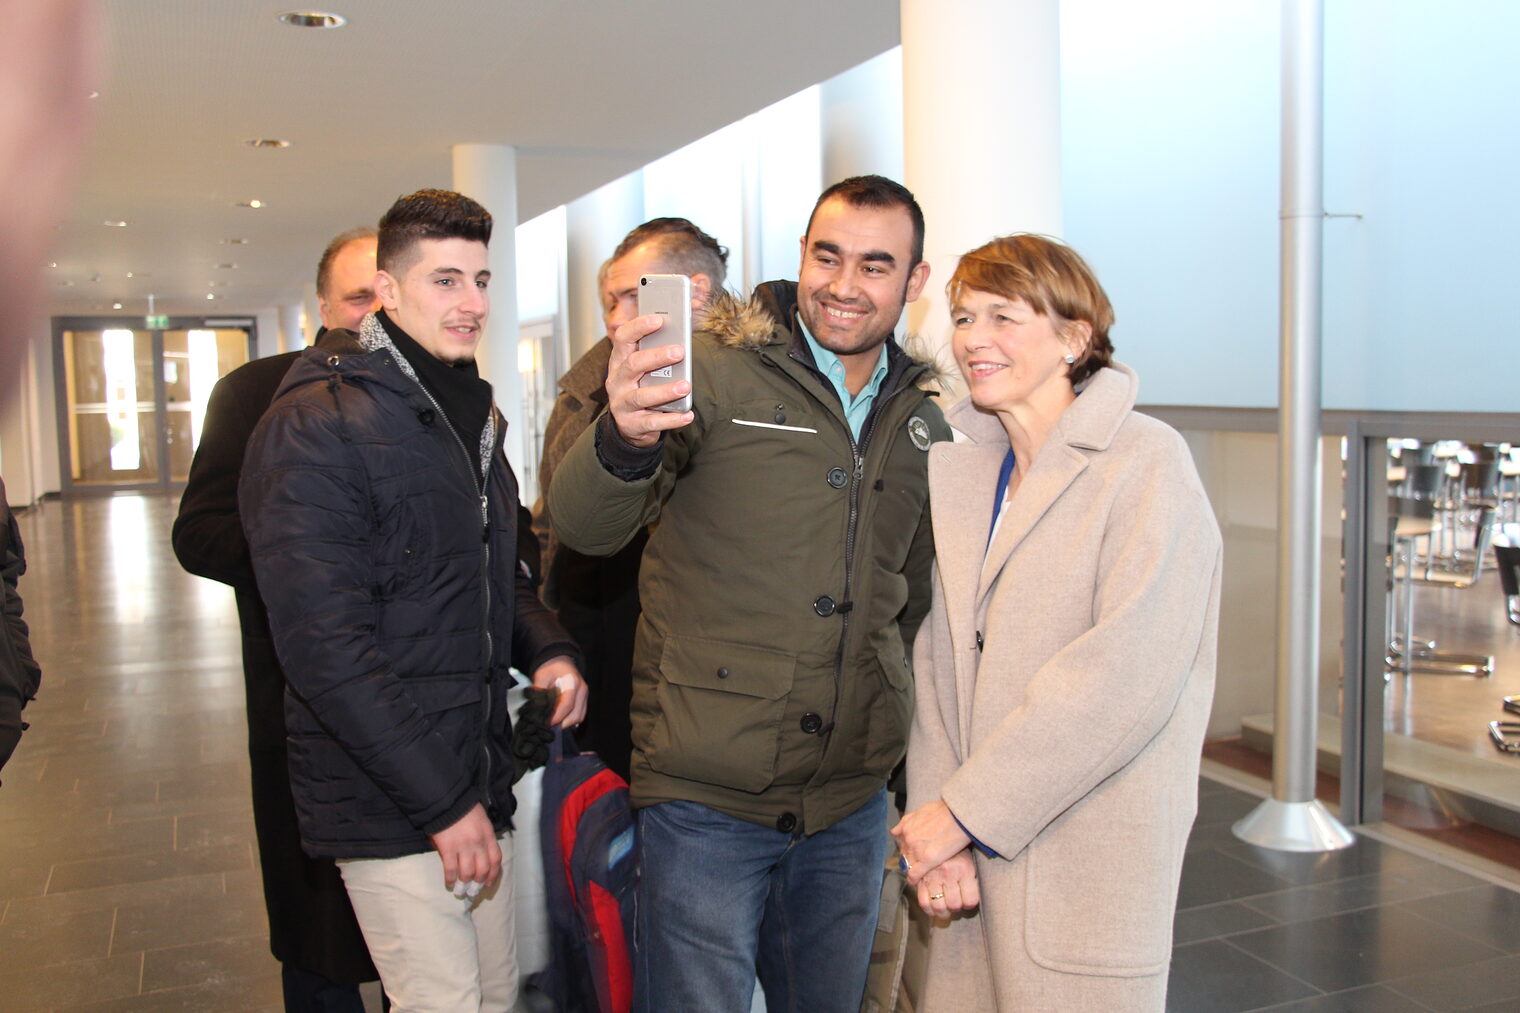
471, 856
927, 837
633, 407
950, 888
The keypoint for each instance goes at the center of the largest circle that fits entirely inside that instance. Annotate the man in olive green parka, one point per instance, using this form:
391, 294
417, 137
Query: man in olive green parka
781, 587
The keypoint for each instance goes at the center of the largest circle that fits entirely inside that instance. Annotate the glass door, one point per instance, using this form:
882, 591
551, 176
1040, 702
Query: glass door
132, 400
1438, 658
193, 360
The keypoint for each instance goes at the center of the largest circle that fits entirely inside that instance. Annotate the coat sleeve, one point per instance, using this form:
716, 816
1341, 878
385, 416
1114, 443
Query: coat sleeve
537, 635
920, 562
566, 415
596, 512
1158, 570
208, 534
919, 573
305, 503
932, 756
20, 675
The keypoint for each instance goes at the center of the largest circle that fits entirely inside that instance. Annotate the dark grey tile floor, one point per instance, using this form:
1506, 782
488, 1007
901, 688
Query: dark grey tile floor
1371, 929
128, 878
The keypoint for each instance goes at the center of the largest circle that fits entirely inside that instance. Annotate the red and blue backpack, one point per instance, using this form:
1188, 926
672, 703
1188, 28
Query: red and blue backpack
590, 844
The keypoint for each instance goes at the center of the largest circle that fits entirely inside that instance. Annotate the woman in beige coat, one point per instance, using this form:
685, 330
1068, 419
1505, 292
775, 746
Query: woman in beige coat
1065, 671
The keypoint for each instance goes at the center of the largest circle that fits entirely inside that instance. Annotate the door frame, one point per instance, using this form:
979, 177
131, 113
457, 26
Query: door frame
61, 325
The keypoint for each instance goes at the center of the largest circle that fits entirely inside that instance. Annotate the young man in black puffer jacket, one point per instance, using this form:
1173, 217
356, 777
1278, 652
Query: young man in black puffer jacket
381, 517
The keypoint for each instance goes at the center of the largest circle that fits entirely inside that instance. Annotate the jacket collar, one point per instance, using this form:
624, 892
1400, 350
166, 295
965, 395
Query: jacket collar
969, 473
345, 355
372, 336
1090, 423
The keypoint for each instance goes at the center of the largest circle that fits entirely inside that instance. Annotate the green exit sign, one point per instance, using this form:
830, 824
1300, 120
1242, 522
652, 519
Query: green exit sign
157, 323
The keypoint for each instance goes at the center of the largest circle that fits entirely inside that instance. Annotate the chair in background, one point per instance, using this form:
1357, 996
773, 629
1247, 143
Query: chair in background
1410, 520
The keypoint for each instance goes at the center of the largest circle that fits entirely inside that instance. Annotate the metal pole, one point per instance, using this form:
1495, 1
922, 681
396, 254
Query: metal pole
1292, 820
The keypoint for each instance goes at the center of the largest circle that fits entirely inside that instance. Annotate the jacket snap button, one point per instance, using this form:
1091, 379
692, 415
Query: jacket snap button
811, 723
786, 823
978, 640
838, 477
723, 673
824, 606
780, 418
332, 360
425, 416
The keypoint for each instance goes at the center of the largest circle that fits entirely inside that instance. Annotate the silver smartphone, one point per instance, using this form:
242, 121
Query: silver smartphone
669, 295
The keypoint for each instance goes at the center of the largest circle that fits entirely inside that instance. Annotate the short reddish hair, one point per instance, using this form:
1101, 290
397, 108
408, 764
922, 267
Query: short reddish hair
1052, 279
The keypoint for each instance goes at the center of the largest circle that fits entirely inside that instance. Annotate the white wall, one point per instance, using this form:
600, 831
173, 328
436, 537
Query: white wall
1171, 128
1169, 148
28, 428
1421, 138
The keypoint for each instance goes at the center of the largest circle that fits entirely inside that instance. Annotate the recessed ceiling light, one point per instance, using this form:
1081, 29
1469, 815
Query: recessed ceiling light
248, 204
114, 224
313, 19
52, 263
267, 142
210, 295
116, 305
94, 94
131, 275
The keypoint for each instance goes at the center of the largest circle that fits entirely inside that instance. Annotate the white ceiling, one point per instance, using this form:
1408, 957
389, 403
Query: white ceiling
586, 90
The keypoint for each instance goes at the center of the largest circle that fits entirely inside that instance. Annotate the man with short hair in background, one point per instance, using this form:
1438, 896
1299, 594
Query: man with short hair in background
597, 597
381, 516
312, 932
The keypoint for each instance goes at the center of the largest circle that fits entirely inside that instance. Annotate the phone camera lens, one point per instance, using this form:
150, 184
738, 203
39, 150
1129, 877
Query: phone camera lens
643, 281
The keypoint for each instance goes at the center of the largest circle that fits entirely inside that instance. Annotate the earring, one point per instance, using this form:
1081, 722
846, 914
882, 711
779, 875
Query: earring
1068, 358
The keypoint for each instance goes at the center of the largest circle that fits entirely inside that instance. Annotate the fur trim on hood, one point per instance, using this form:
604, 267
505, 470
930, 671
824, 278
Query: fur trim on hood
751, 323
741, 324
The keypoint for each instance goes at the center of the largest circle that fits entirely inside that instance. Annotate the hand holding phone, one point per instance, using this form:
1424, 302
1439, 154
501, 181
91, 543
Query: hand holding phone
669, 297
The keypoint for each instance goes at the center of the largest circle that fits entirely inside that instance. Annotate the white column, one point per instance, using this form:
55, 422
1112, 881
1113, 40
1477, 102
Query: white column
594, 225
17, 424
311, 316
269, 332
291, 338
862, 113
488, 173
752, 216
981, 129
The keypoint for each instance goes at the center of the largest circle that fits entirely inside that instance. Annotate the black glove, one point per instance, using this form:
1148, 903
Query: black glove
531, 733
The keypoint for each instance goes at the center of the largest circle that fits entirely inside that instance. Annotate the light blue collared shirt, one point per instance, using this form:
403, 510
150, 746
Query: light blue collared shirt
856, 406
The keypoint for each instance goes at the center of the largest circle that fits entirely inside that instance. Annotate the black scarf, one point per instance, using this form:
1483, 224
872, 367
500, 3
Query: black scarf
464, 397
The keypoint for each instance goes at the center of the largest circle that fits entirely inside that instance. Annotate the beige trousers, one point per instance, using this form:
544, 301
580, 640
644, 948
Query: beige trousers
435, 953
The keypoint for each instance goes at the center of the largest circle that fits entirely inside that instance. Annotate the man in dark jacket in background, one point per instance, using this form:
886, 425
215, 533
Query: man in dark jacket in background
312, 931
382, 518
597, 597
19, 671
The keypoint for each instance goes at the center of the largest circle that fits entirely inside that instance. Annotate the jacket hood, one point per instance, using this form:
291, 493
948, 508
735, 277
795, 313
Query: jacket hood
1091, 422
314, 364
749, 323
765, 318
346, 355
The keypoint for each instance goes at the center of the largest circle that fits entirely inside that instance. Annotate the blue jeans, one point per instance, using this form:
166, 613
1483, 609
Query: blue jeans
722, 900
